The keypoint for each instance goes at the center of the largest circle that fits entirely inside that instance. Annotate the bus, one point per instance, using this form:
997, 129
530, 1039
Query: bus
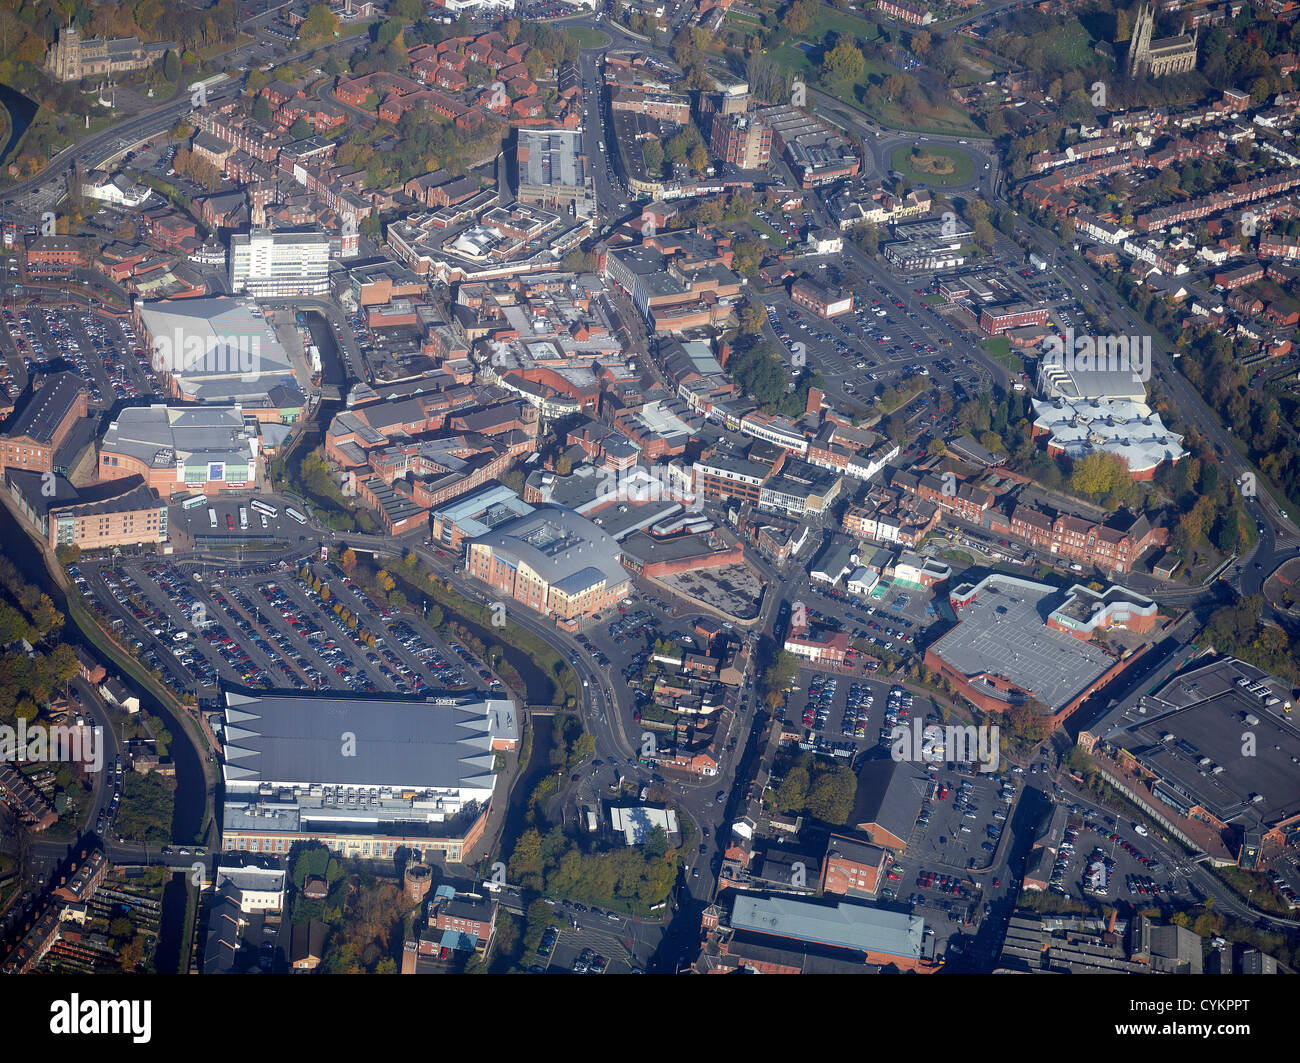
291, 512
195, 502
263, 507
212, 517
243, 518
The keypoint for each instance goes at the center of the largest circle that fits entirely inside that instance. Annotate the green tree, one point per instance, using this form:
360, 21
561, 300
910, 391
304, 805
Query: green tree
652, 154
845, 61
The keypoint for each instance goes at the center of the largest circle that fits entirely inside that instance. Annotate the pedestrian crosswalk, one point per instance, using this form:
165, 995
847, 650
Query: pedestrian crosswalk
1291, 542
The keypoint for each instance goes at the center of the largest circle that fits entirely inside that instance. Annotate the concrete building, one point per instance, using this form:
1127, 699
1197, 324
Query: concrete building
1186, 742
873, 935
267, 264
817, 154
218, 351
1018, 641
552, 170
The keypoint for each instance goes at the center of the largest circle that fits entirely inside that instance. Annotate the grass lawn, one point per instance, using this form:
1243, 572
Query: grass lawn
1073, 44
744, 20
962, 172
999, 348
925, 118
588, 37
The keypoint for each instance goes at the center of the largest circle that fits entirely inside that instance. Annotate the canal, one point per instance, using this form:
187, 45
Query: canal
187, 814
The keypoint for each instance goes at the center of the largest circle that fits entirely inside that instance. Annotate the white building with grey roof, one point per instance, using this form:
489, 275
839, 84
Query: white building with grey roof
220, 350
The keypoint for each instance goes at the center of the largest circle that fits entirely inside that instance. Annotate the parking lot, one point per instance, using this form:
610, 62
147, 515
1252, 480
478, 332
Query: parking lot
273, 629
878, 344
962, 816
102, 350
843, 714
893, 617
1100, 857
583, 945
218, 523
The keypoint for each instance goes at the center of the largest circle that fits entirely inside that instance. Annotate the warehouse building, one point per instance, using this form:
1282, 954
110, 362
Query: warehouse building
220, 351
872, 935
364, 776
1187, 742
174, 448
1017, 641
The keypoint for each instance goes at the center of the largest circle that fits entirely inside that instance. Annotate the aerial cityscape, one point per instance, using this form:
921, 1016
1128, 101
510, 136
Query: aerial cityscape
650, 487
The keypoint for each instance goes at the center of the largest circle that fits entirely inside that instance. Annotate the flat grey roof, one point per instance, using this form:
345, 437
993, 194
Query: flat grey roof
849, 926
1004, 631
292, 739
1204, 714
564, 548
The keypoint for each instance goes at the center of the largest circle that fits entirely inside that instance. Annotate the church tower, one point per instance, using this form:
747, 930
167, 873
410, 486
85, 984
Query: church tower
1139, 48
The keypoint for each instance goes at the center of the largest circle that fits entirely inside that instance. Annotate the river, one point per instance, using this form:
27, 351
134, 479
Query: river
21, 111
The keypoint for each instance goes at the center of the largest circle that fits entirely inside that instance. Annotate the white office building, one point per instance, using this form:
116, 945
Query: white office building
265, 263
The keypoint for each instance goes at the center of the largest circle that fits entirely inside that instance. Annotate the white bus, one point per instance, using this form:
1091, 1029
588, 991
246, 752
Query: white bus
243, 518
291, 512
195, 502
263, 507
212, 517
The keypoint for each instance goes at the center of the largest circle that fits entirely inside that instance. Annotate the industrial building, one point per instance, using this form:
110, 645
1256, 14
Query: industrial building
871, 935
1018, 641
219, 351
1186, 744
364, 776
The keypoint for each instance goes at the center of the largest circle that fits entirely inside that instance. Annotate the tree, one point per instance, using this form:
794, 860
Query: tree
845, 61
1098, 474
348, 561
262, 110
563, 466
921, 42
319, 23
831, 797
652, 154
799, 15
752, 317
